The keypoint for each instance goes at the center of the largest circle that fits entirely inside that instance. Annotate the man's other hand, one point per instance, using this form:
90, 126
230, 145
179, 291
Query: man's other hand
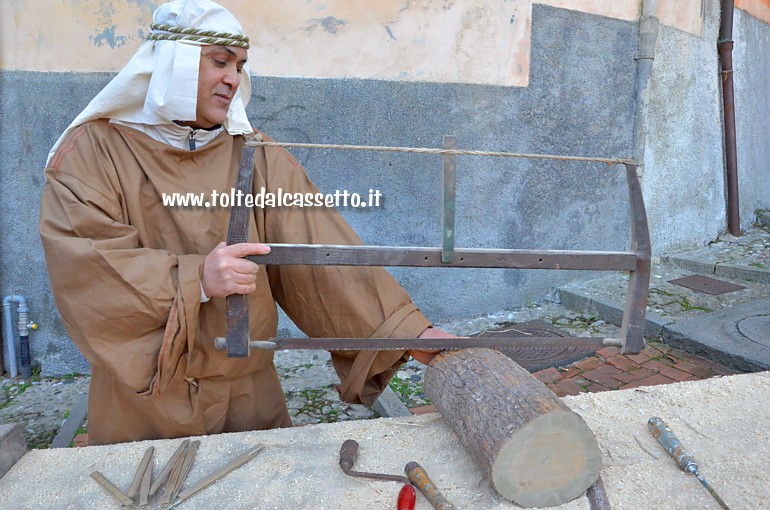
425, 357
226, 272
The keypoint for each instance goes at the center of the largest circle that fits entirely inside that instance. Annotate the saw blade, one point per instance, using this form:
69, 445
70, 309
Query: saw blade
427, 344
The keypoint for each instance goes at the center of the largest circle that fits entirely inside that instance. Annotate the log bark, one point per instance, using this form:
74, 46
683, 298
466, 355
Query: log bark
533, 448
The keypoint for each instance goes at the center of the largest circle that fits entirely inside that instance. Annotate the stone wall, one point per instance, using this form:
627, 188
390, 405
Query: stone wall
575, 98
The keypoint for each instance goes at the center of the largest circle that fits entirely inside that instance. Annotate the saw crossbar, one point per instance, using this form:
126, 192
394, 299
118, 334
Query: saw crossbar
403, 344
341, 255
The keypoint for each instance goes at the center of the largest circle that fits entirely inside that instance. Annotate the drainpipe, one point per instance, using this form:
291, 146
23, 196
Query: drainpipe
725, 46
24, 325
648, 37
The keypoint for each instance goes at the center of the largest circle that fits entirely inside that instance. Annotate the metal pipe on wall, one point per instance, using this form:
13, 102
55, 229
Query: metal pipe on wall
725, 47
9, 337
24, 325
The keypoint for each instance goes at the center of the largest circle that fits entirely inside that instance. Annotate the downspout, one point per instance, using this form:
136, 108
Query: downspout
725, 46
24, 325
648, 37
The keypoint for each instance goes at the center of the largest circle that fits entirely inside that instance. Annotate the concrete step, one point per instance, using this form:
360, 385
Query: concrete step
745, 258
732, 329
12, 446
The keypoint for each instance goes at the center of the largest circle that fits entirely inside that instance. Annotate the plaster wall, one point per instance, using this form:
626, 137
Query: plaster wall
683, 180
473, 41
501, 203
759, 9
752, 111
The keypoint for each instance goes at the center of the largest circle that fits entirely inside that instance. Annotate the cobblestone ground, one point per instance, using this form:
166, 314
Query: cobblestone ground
309, 382
40, 406
604, 371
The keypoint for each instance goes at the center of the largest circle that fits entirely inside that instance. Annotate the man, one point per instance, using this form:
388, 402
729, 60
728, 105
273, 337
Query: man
141, 287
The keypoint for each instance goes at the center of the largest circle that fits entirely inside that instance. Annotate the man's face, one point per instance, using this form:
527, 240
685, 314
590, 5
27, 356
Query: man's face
218, 80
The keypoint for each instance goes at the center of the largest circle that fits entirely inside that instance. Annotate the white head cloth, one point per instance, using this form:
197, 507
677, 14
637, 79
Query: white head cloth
160, 82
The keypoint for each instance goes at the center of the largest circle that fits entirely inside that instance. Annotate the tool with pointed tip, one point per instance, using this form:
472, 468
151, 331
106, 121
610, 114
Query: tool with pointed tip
684, 460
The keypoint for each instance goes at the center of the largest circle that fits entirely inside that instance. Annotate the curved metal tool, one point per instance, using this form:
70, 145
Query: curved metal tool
348, 456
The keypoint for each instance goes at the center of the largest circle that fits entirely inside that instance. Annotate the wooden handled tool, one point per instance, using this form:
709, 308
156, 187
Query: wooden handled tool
424, 484
684, 460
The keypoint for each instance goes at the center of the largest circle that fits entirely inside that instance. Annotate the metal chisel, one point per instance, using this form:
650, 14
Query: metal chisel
684, 460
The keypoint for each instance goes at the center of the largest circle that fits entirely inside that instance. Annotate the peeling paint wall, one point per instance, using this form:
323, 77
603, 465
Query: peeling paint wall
71, 35
686, 15
759, 9
447, 41
477, 41
620, 9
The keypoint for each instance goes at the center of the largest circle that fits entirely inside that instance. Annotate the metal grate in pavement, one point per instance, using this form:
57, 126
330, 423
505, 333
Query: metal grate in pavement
535, 359
706, 284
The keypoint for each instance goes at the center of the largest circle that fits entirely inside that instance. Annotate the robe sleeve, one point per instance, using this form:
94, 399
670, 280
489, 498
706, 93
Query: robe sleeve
132, 311
335, 301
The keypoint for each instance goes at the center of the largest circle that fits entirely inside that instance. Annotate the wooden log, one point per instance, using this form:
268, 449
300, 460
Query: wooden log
533, 448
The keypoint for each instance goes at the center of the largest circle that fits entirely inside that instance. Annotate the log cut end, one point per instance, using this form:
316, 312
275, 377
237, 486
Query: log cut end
550, 461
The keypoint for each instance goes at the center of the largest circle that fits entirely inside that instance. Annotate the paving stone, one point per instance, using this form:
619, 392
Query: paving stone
675, 356
570, 373
627, 377
563, 388
589, 363
638, 358
605, 380
653, 365
658, 349
608, 369
693, 368
714, 367
548, 375
675, 374
649, 381
594, 388
581, 381
623, 363
718, 336
608, 352
642, 373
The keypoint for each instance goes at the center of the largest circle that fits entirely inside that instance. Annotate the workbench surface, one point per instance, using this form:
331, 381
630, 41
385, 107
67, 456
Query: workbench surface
723, 422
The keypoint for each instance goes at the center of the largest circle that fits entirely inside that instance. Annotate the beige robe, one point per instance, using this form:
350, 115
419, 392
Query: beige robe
125, 271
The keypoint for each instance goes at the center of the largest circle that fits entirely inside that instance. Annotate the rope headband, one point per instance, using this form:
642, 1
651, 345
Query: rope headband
171, 33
